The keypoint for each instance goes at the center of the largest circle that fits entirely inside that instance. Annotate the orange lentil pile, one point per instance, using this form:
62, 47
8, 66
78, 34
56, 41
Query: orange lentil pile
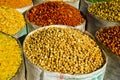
15, 3
110, 36
50, 13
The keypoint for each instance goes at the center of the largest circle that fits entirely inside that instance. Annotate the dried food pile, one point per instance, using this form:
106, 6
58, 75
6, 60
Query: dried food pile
11, 21
110, 36
10, 57
63, 50
106, 10
97, 0
55, 13
15, 3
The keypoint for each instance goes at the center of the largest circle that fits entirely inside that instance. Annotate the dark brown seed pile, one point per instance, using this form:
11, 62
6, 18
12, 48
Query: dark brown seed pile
111, 38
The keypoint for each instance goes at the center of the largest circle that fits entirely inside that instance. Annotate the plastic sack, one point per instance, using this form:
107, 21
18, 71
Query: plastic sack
31, 26
113, 66
36, 73
83, 6
94, 23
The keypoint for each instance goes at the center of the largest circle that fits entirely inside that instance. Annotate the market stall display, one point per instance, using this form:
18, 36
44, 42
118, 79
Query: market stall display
11, 61
62, 50
12, 22
20, 5
67, 60
49, 13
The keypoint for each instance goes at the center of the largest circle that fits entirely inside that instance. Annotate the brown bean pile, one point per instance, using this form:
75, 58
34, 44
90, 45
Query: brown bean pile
111, 38
55, 13
63, 50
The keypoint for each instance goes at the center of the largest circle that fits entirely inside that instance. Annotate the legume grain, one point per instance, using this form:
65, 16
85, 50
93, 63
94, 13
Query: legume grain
11, 21
106, 10
10, 57
15, 3
63, 50
54, 13
93, 1
110, 37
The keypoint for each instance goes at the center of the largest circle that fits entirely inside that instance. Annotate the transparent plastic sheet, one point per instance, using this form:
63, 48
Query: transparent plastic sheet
21, 33
113, 66
83, 6
74, 3
36, 73
94, 23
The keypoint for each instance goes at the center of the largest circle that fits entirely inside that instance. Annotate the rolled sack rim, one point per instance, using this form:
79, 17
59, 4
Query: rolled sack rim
20, 53
78, 75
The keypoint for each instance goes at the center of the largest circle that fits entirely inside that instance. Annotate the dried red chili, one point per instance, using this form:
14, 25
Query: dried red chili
55, 13
110, 36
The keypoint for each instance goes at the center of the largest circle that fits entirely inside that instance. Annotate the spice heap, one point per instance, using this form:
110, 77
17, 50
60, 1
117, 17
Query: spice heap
62, 0
15, 3
54, 13
63, 50
106, 10
10, 57
93, 1
11, 21
111, 38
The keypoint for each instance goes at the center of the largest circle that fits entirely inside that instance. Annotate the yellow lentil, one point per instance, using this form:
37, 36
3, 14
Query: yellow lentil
10, 56
15, 3
11, 21
63, 50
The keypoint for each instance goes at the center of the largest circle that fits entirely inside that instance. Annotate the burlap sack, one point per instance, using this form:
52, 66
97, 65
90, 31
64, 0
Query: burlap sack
36, 73
74, 3
113, 66
94, 23
83, 6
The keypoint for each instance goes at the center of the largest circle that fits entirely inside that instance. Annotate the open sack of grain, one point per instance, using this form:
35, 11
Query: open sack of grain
61, 52
109, 39
103, 14
74, 3
12, 22
20, 5
11, 58
53, 13
84, 4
